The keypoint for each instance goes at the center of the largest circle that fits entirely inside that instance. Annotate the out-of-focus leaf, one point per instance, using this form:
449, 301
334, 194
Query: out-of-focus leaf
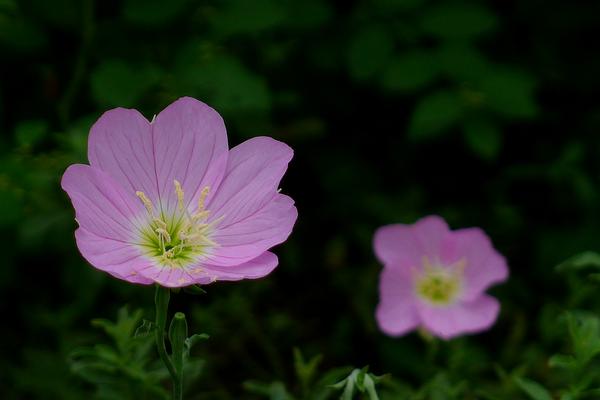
452, 21
461, 61
510, 92
152, 12
117, 83
29, 133
226, 84
237, 17
369, 51
20, 33
483, 137
587, 259
410, 71
533, 389
434, 114
308, 14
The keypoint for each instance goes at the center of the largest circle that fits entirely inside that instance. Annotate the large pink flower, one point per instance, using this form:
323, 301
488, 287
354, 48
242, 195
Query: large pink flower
435, 279
166, 201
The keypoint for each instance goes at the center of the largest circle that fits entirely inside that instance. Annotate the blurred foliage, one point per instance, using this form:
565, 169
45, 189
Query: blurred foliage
484, 112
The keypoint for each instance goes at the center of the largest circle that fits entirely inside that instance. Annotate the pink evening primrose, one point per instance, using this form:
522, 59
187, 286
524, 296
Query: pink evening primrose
435, 279
167, 202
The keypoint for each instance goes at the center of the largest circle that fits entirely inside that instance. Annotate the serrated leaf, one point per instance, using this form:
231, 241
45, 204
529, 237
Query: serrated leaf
533, 389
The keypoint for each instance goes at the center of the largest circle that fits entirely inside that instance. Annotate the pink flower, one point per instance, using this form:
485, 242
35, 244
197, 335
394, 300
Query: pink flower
435, 279
166, 201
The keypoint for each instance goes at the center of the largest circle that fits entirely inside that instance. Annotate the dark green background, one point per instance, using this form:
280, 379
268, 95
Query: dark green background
484, 112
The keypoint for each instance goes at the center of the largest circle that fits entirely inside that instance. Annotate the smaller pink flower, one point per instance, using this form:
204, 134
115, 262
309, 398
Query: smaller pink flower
436, 279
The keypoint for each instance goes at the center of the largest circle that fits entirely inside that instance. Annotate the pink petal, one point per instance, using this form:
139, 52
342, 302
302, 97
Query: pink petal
120, 144
256, 268
396, 246
430, 232
459, 319
252, 217
102, 207
118, 258
484, 265
190, 144
187, 141
396, 313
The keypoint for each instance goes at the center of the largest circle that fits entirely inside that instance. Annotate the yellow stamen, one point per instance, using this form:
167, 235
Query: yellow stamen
179, 192
146, 201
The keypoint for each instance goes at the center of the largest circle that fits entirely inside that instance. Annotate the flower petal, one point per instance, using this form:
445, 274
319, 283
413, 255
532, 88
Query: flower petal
102, 207
430, 232
187, 141
251, 216
118, 258
484, 265
190, 143
461, 318
397, 246
253, 269
396, 313
120, 144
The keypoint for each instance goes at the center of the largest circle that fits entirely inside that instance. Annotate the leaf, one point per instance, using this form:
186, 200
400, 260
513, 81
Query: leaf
510, 92
410, 71
461, 61
117, 83
533, 389
452, 21
192, 340
585, 260
223, 81
368, 52
434, 114
562, 361
194, 290
152, 12
483, 137
31, 132
239, 17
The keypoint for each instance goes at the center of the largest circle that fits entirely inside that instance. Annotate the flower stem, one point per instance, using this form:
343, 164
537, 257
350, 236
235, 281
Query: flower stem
161, 301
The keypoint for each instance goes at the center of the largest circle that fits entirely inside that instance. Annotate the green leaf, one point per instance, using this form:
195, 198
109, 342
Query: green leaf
117, 83
192, 340
452, 21
585, 260
562, 361
510, 93
223, 81
194, 290
240, 17
462, 62
29, 133
369, 51
152, 12
533, 389
434, 114
410, 71
483, 137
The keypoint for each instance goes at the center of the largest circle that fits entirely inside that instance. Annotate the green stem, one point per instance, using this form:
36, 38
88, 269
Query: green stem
161, 301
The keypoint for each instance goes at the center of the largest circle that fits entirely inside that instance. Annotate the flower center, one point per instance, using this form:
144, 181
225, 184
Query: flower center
439, 285
178, 238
